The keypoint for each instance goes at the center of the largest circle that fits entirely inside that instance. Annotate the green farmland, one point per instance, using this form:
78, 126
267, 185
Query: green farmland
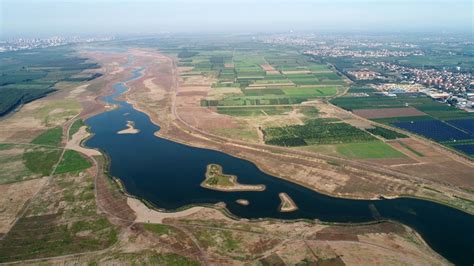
386, 133
316, 131
368, 150
311, 92
436, 113
357, 150
264, 77
432, 108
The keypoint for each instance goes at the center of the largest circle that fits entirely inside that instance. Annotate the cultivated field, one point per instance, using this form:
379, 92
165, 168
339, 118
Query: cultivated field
388, 112
414, 113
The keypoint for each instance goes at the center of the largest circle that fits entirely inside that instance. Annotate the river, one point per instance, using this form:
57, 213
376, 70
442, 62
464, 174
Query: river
168, 175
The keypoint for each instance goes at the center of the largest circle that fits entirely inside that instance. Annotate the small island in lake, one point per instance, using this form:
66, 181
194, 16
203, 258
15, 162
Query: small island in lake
243, 202
130, 129
287, 204
217, 180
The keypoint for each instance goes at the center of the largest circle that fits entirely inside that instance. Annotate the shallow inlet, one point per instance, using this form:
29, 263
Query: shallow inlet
168, 174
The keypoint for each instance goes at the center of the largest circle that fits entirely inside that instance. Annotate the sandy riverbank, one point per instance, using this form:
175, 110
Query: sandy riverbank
147, 215
75, 143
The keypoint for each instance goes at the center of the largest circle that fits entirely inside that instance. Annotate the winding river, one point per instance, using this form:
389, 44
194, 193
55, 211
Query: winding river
168, 175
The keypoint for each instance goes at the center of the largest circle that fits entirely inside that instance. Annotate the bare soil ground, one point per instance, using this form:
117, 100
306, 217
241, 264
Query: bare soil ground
267, 67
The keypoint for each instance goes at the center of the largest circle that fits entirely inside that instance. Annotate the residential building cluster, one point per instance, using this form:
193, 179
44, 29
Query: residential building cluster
364, 74
338, 52
33, 43
455, 82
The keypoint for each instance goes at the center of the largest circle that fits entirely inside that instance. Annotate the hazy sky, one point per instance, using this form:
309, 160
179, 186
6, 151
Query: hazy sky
46, 17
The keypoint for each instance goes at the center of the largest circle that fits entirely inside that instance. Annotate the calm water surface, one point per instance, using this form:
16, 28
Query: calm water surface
168, 174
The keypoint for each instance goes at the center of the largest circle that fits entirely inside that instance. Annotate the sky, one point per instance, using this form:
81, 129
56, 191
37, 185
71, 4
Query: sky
56, 17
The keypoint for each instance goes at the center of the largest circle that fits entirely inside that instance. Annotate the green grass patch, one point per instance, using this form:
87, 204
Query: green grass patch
262, 92
368, 150
305, 81
159, 229
6, 146
318, 68
417, 153
309, 111
84, 225
310, 92
72, 161
254, 100
52, 137
41, 161
254, 111
75, 127
329, 75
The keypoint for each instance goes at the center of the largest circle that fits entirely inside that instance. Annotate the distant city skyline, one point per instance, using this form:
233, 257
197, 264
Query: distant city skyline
48, 17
